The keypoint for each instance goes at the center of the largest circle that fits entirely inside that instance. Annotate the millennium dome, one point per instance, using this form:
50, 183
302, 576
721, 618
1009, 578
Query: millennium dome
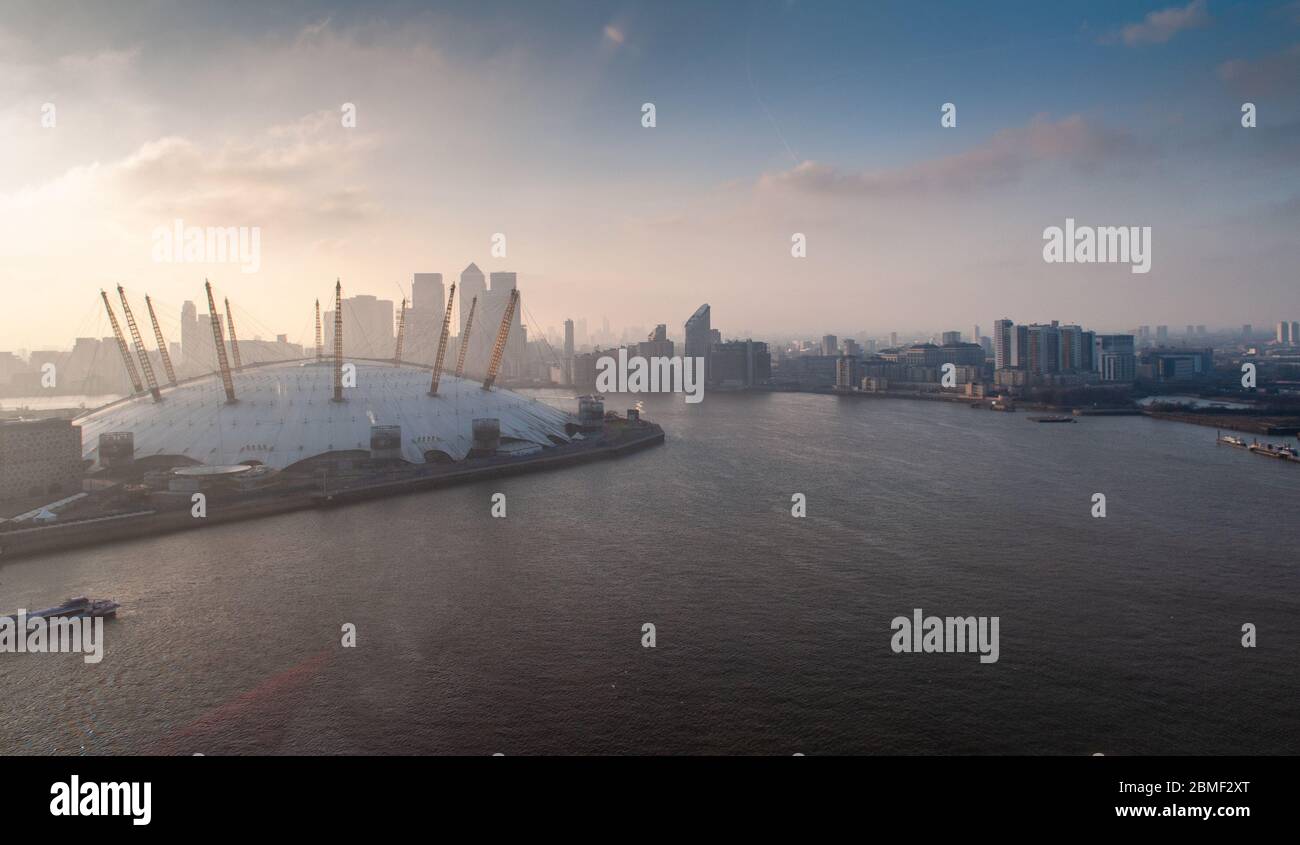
285, 414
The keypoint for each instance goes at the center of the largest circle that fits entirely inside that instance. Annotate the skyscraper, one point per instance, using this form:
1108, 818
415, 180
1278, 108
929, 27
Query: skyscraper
1002, 330
189, 337
424, 318
472, 284
699, 340
498, 297
1072, 356
367, 327
1019, 358
568, 352
427, 292
1044, 349
198, 349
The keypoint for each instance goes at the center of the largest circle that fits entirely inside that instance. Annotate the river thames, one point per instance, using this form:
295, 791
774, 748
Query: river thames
523, 635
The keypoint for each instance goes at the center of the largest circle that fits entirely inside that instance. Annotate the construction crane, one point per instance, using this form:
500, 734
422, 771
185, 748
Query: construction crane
442, 343
338, 341
121, 345
162, 344
139, 347
401, 334
499, 348
224, 365
464, 338
320, 346
234, 341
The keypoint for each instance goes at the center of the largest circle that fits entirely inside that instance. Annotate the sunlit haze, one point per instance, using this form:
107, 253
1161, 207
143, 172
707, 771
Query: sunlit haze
772, 119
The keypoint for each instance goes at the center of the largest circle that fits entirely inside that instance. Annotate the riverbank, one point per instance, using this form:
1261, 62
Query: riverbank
150, 522
1269, 425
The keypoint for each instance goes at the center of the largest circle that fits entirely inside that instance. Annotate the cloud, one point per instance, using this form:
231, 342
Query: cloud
1278, 72
289, 171
1159, 27
299, 177
1002, 159
614, 34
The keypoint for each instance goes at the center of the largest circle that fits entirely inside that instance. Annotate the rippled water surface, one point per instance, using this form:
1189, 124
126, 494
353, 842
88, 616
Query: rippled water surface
523, 635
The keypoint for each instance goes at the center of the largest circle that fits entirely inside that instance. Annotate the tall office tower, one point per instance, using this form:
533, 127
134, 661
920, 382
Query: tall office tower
851, 348
472, 284
1162, 333
830, 345
1002, 330
424, 318
1283, 332
950, 338
1087, 351
699, 337
491, 308
1191, 330
367, 327
1246, 331
372, 324
427, 291
975, 336
1295, 332
893, 340
201, 350
1071, 348
568, 352
190, 338
1044, 349
1019, 347
1144, 334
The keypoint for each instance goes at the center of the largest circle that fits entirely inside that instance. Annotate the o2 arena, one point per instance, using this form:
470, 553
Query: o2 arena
280, 415
284, 413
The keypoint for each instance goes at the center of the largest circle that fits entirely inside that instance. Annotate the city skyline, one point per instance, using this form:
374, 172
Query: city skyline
608, 334
769, 123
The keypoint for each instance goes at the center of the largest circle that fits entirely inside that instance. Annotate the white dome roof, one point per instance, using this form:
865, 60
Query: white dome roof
285, 414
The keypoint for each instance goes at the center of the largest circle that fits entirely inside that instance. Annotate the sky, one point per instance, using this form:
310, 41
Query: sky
480, 119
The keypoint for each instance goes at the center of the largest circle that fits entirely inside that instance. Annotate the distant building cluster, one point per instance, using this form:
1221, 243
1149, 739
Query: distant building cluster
1015, 358
736, 364
1019, 358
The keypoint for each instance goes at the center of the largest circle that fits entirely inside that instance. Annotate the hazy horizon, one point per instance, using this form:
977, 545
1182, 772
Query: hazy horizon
474, 119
